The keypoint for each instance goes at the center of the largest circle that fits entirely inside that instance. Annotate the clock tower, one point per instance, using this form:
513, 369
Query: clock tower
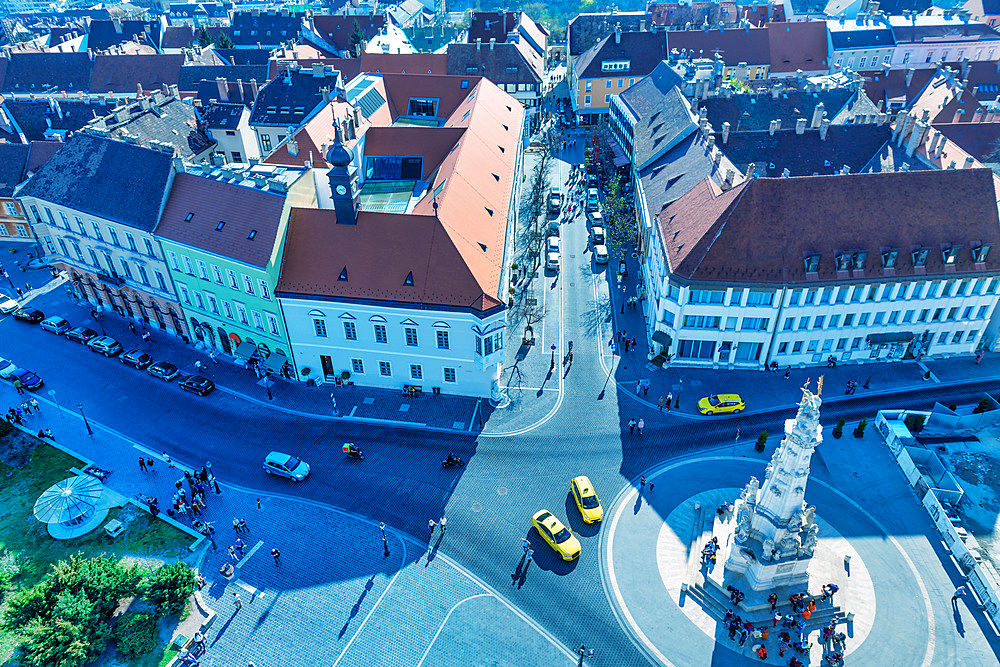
345, 200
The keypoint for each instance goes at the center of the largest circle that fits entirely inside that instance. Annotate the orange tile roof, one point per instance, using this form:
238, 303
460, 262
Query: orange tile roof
315, 136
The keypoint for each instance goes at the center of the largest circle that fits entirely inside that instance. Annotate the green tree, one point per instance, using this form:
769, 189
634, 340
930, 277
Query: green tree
223, 41
357, 37
58, 643
135, 635
616, 218
169, 587
204, 39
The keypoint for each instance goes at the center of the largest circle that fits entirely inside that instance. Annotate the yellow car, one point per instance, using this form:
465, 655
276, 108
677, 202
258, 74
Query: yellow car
556, 534
586, 499
721, 403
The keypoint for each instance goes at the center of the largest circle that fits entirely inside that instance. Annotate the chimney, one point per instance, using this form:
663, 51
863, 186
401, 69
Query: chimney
479, 44
785, 173
925, 115
618, 34
318, 69
958, 115
702, 115
800, 126
777, 124
751, 169
968, 162
824, 127
935, 138
915, 136
493, 42
845, 170
909, 76
173, 91
977, 117
223, 89
357, 117
725, 132
774, 126
775, 91
900, 121
253, 89
964, 68
818, 114
138, 90
293, 147
728, 183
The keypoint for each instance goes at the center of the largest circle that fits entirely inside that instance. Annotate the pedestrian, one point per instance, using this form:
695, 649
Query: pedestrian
27, 287
236, 525
195, 508
788, 372
743, 636
131, 327
430, 526
145, 336
641, 425
979, 357
633, 341
199, 641
243, 526
211, 355
626, 349
670, 399
777, 617
34, 406
276, 555
232, 553
659, 403
149, 465
642, 483
142, 464
638, 383
444, 524
169, 461
333, 399
631, 426
26, 408
773, 599
959, 592
197, 364
19, 292
645, 389
237, 601
526, 544
531, 554
19, 386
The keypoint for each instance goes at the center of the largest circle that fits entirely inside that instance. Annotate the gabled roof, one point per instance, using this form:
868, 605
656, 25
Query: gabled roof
430, 143
940, 28
748, 112
166, 120
41, 152
122, 74
222, 116
504, 63
286, 95
105, 34
663, 116
643, 50
980, 140
762, 230
313, 138
106, 178
192, 75
860, 38
498, 25
38, 72
735, 45
674, 173
404, 63
400, 88
13, 164
337, 30
244, 56
586, 30
36, 117
242, 92
891, 89
251, 28
210, 202
797, 45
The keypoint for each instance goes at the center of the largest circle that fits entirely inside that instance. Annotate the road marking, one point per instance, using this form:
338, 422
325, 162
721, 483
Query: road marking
447, 616
255, 592
375, 606
532, 388
353, 410
474, 413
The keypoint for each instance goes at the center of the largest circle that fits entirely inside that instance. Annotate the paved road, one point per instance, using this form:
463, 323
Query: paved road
489, 502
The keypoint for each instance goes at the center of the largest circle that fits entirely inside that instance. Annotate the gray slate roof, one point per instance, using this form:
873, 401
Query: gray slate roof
107, 178
750, 112
166, 120
586, 30
34, 72
862, 39
505, 63
105, 34
36, 116
643, 50
267, 29
13, 161
662, 114
304, 91
675, 173
222, 116
192, 75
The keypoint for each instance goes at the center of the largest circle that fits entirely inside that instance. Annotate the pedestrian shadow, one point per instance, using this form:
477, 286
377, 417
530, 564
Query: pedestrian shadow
267, 611
520, 574
959, 625
541, 390
434, 549
357, 606
222, 630
638, 503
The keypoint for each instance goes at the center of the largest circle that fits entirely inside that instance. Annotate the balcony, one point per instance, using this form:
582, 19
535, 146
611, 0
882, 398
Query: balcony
113, 279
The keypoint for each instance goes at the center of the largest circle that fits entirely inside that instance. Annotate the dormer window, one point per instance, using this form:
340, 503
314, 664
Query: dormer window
615, 65
859, 260
812, 263
950, 255
844, 262
889, 259
920, 256
979, 254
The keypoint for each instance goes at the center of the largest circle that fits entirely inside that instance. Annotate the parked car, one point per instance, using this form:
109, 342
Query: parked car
136, 359
552, 243
555, 200
56, 325
28, 379
81, 334
601, 254
106, 345
8, 305
6, 368
593, 200
286, 465
29, 315
595, 219
720, 403
197, 385
586, 499
592, 180
553, 261
556, 534
554, 227
597, 235
164, 370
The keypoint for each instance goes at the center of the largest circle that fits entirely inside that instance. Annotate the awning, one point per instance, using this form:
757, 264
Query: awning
275, 362
245, 350
621, 161
661, 337
888, 338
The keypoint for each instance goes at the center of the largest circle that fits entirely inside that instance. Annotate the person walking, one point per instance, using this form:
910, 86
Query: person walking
35, 407
631, 426
530, 555
232, 554
641, 425
169, 461
142, 464
430, 526
236, 525
149, 465
237, 601
19, 386
444, 524
642, 483
638, 383
777, 619
276, 555
333, 399
26, 408
243, 526
773, 599
526, 544
659, 403
959, 592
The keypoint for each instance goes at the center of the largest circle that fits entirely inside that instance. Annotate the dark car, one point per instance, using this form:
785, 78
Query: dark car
164, 370
135, 358
29, 315
28, 379
197, 384
80, 334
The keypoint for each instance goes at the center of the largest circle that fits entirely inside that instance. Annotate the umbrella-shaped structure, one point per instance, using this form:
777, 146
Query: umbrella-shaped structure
69, 501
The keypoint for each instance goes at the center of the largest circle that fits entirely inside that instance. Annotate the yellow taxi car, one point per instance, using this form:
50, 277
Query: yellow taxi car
721, 403
556, 534
586, 499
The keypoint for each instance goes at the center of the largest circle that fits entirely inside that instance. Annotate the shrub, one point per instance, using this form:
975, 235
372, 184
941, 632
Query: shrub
761, 441
838, 430
345, 375
983, 406
136, 635
169, 587
915, 423
859, 432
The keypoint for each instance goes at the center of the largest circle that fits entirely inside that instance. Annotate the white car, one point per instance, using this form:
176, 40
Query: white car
553, 243
553, 261
6, 368
601, 253
8, 305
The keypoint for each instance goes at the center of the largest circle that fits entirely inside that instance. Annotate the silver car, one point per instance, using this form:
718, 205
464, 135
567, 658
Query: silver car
286, 465
106, 345
56, 324
6, 368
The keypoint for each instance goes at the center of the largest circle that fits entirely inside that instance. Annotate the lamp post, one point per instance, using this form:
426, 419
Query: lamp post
385, 543
90, 431
677, 398
7, 276
552, 362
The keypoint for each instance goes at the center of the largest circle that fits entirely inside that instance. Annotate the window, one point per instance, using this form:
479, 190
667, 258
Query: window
449, 375
93, 256
173, 261
621, 82
810, 297
789, 324
265, 142
841, 295
827, 345
755, 324
797, 347
126, 268
416, 372
696, 349
65, 220
886, 58
114, 235
943, 338
706, 296
930, 57
586, 100
952, 313
357, 366
442, 340
79, 225
264, 292
143, 276
241, 309
856, 344
421, 106
588, 86
861, 63
834, 321
188, 268
248, 284
879, 316
972, 336
62, 246
841, 344
923, 315
736, 298
760, 298
258, 321
804, 323
131, 242
160, 280
957, 338
185, 295
981, 313
936, 317
319, 327
22, 230
793, 299
607, 99
863, 319
380, 336
233, 282
11, 208
893, 317
908, 316
272, 323
856, 294
237, 156
350, 331
701, 322
217, 272
76, 249
199, 301
149, 247
819, 322
228, 310
992, 287
488, 345
607, 84
730, 323
411, 336
813, 346
394, 168
498, 341
213, 303
782, 348
202, 270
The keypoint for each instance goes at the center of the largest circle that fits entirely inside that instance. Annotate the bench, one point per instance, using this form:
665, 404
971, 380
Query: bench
412, 389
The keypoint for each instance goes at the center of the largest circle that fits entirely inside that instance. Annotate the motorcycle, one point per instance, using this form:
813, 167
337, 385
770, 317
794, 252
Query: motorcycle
453, 462
353, 452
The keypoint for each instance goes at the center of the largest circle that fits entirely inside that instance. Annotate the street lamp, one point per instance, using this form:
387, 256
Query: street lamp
7, 276
552, 363
90, 431
211, 477
677, 399
385, 543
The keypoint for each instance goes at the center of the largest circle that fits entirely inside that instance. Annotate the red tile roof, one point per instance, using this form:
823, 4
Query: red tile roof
448, 90
796, 45
315, 137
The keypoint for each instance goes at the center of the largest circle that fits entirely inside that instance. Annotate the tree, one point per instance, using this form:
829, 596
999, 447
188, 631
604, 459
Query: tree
169, 587
761, 441
618, 222
357, 38
204, 39
223, 41
838, 430
135, 635
59, 643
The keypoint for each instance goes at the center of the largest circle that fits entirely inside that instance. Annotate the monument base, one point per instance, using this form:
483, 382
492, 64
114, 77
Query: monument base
767, 575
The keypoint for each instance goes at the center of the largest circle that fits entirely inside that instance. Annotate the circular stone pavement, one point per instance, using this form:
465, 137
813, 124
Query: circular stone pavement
645, 558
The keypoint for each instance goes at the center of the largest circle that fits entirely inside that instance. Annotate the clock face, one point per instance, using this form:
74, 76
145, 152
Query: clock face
341, 190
